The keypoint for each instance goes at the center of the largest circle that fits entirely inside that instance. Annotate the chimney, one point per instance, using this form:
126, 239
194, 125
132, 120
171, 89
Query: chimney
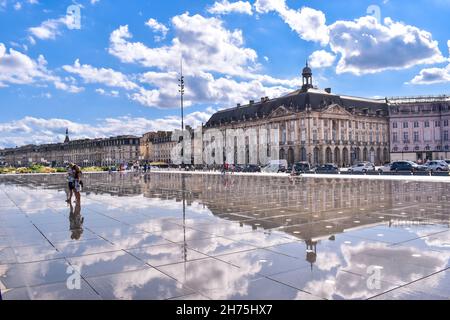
252, 101
263, 99
238, 105
328, 90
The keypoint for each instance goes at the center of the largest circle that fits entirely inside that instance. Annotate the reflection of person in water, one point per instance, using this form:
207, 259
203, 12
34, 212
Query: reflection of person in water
76, 221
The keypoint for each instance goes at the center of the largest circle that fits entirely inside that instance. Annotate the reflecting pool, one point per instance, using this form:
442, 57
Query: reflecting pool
184, 236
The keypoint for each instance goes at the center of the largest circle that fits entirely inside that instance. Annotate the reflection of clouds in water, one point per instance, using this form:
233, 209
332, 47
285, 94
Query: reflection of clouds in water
327, 261
440, 240
142, 202
38, 200
89, 260
322, 288
84, 248
400, 265
224, 280
31, 273
125, 285
401, 261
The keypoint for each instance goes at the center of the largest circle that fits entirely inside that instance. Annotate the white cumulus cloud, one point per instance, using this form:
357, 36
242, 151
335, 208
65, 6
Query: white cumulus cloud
32, 130
367, 46
433, 75
226, 7
204, 43
50, 28
105, 76
17, 68
157, 27
321, 59
308, 23
219, 69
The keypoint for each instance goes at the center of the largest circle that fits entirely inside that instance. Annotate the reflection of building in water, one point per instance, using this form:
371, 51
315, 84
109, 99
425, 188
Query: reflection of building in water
306, 208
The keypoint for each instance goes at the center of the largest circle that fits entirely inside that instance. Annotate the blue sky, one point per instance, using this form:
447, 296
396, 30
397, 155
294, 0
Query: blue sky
117, 72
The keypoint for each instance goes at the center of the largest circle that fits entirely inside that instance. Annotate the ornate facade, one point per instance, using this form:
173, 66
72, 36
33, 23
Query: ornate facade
86, 152
157, 146
315, 125
420, 128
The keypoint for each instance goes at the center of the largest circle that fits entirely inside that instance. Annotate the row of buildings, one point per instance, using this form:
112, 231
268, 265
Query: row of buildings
314, 125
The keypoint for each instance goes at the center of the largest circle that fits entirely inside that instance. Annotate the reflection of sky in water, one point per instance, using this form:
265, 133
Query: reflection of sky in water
226, 238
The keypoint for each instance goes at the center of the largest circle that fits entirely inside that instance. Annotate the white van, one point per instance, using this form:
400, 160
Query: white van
275, 166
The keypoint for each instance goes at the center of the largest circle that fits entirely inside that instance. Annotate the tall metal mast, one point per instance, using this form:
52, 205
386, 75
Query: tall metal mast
181, 90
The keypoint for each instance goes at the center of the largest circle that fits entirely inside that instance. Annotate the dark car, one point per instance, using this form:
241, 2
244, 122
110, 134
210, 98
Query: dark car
252, 168
302, 167
327, 168
407, 166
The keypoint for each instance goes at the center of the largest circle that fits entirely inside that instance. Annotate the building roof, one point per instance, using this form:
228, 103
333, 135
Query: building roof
297, 101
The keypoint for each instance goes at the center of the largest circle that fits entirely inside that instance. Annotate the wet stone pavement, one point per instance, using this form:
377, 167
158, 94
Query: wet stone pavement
175, 236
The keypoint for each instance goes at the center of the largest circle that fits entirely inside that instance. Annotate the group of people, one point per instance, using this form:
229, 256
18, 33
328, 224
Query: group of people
75, 183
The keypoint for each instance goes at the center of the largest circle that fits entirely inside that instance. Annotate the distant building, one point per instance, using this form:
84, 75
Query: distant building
314, 125
86, 152
158, 146
420, 128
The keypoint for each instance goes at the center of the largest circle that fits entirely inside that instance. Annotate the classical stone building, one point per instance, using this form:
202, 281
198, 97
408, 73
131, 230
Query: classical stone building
86, 152
420, 128
315, 125
158, 146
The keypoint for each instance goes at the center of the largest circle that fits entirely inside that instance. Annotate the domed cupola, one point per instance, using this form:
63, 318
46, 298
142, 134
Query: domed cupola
307, 78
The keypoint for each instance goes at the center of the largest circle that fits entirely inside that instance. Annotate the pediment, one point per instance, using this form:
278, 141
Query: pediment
336, 109
281, 111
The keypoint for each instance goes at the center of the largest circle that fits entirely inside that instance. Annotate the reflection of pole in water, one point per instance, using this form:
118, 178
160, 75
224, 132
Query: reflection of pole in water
183, 190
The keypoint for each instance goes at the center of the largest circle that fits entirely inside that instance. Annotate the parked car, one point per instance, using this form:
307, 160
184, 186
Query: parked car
409, 166
252, 168
448, 161
236, 168
327, 168
437, 165
302, 167
362, 167
384, 169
